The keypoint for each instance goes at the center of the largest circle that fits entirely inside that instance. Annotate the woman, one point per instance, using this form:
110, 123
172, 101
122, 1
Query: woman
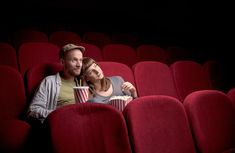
103, 88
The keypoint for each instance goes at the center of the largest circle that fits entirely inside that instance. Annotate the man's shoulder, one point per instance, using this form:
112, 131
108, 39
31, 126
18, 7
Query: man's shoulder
52, 77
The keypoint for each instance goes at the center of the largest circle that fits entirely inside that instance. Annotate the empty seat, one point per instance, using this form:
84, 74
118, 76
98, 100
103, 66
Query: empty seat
34, 75
31, 54
158, 124
154, 78
189, 76
119, 53
147, 52
231, 95
61, 38
88, 128
100, 39
28, 35
92, 51
115, 68
212, 119
8, 55
14, 131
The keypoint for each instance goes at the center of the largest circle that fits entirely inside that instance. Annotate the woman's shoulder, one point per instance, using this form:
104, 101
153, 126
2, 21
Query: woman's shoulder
115, 78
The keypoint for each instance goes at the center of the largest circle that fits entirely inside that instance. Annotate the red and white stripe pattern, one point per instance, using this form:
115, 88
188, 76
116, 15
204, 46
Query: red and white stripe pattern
120, 102
81, 94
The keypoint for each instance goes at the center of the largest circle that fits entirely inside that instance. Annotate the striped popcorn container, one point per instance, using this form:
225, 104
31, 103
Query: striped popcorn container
81, 94
120, 102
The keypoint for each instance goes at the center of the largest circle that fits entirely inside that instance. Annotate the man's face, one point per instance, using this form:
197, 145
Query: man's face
73, 62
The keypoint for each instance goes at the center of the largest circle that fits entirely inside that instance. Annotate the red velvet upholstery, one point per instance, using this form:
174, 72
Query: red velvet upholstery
115, 68
61, 38
231, 95
88, 128
35, 74
189, 76
13, 100
14, 136
31, 54
99, 39
154, 78
147, 52
14, 132
158, 124
92, 51
119, 53
8, 55
212, 119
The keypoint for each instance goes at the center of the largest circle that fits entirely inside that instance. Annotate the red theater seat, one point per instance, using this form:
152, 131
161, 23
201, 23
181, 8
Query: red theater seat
189, 76
8, 55
88, 128
14, 131
158, 124
115, 68
34, 53
119, 53
154, 78
212, 119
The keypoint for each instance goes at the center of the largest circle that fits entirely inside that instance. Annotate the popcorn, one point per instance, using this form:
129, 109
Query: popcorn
120, 102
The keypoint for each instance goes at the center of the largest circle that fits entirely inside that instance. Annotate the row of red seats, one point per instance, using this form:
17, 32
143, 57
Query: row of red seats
62, 37
29, 54
204, 122
149, 77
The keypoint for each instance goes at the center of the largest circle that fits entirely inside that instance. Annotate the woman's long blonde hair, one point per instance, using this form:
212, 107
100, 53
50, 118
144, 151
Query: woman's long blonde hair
105, 82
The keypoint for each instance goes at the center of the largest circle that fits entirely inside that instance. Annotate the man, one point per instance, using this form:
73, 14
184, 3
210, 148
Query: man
57, 90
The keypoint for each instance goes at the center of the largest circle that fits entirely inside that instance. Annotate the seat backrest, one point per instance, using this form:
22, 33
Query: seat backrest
212, 119
13, 98
154, 78
89, 128
8, 55
34, 75
61, 38
100, 39
34, 53
117, 69
148, 52
158, 124
27, 35
189, 76
231, 95
92, 51
119, 53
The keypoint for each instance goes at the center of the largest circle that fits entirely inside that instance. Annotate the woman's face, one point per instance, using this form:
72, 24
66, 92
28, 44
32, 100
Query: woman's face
94, 73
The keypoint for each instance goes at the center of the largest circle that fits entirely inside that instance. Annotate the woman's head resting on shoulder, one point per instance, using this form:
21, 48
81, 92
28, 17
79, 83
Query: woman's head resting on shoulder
93, 75
91, 70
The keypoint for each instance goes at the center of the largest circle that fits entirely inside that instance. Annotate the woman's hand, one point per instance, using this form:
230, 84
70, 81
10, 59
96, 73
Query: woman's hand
130, 87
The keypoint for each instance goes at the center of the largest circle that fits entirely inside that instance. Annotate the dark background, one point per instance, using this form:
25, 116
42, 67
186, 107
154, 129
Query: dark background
199, 24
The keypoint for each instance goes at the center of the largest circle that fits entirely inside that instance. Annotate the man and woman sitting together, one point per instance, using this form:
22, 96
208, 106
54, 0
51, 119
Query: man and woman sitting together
56, 90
